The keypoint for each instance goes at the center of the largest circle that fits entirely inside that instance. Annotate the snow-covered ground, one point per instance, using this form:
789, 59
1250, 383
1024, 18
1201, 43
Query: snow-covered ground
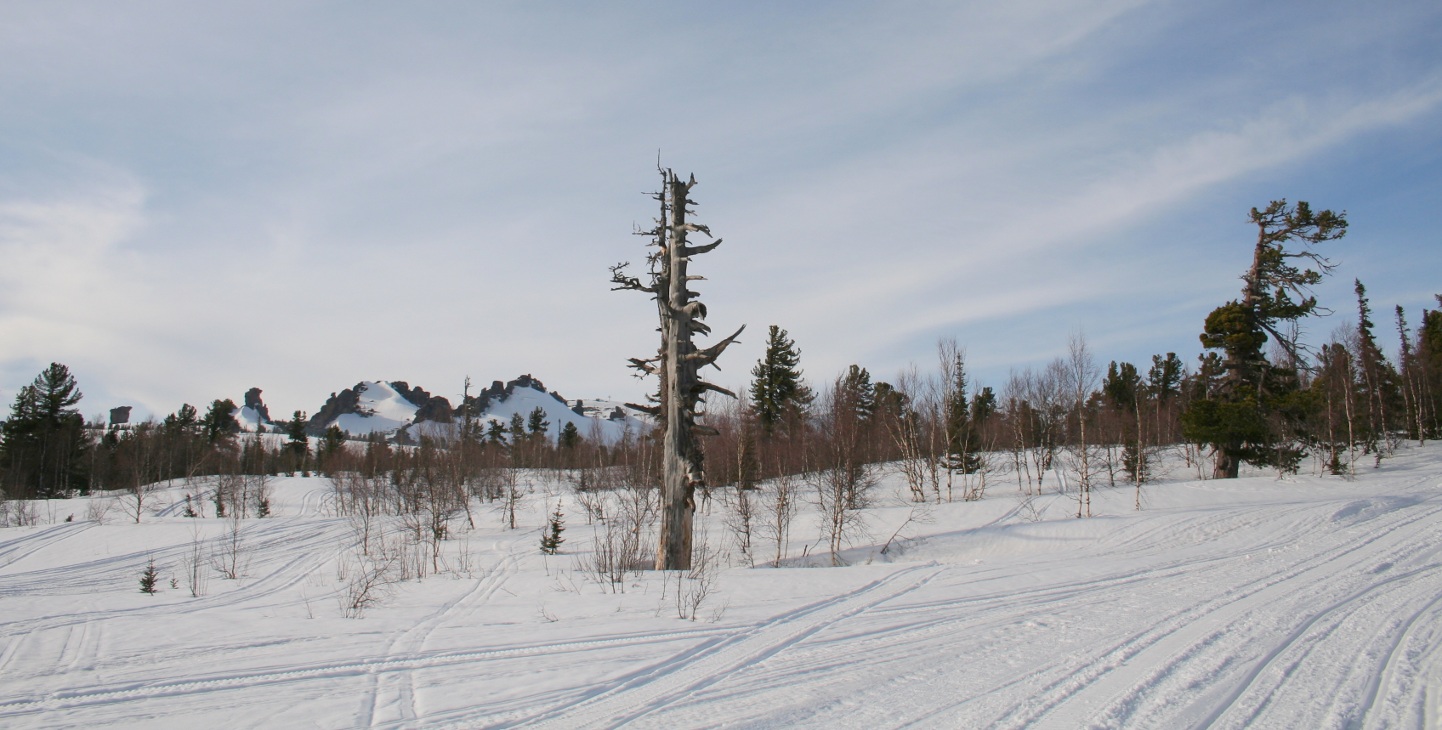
1308, 602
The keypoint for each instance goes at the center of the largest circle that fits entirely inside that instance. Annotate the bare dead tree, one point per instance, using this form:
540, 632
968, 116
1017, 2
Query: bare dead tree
677, 363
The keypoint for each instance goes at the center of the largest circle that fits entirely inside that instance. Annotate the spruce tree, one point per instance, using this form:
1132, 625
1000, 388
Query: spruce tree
148, 578
536, 423
1124, 389
570, 436
43, 442
961, 438
1378, 379
298, 445
1244, 417
551, 537
1428, 353
777, 391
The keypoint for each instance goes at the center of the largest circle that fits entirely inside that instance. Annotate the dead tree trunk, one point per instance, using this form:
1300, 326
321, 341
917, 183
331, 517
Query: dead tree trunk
677, 364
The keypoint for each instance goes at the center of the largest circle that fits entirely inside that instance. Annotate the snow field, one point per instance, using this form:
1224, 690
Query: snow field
1309, 602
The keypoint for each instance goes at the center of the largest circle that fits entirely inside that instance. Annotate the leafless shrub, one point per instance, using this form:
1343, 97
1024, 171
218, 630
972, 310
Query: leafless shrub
741, 515
616, 552
230, 557
693, 587
24, 512
192, 565
98, 509
135, 499
512, 495
368, 580
919, 514
780, 510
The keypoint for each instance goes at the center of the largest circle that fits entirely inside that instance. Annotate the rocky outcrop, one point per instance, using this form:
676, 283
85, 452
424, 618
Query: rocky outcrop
339, 404
253, 402
120, 415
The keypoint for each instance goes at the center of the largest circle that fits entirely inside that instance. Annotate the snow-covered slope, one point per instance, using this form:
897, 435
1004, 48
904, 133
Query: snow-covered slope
397, 410
382, 409
1309, 602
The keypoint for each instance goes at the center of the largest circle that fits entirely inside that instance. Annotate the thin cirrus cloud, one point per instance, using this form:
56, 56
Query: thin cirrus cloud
301, 196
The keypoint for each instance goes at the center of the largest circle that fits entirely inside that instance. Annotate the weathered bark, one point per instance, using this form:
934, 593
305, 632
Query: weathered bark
677, 364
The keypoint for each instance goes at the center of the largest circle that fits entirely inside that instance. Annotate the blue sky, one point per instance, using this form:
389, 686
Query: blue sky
200, 198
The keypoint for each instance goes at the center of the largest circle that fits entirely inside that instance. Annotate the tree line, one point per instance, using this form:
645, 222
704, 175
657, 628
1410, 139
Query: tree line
1257, 395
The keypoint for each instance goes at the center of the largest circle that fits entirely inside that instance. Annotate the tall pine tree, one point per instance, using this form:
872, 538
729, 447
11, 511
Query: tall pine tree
44, 443
1239, 418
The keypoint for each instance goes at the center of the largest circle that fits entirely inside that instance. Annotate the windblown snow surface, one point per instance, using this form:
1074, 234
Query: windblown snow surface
1305, 602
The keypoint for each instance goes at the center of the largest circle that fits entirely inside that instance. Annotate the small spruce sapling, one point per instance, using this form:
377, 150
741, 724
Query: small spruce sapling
149, 577
551, 536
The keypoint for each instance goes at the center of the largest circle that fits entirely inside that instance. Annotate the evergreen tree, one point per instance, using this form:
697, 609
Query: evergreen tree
536, 423
1378, 380
1429, 365
219, 421
1242, 418
551, 537
332, 444
961, 438
1124, 390
983, 407
182, 420
496, 433
777, 391
298, 445
149, 577
1122, 386
570, 437
861, 393
44, 443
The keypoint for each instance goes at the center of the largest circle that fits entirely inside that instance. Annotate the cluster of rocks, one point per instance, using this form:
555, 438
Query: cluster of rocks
433, 408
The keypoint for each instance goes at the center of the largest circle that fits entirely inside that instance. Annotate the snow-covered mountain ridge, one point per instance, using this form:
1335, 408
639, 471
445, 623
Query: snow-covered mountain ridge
403, 413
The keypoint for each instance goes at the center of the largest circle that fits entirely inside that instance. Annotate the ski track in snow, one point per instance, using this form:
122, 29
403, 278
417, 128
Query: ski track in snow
393, 694
1281, 607
657, 686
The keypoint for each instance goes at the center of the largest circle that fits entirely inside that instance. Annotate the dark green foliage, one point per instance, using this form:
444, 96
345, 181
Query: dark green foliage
536, 424
570, 437
1246, 412
1429, 369
551, 537
148, 578
298, 446
983, 407
44, 443
1123, 386
1379, 384
961, 435
1237, 426
1136, 463
219, 421
496, 433
183, 420
1165, 377
332, 444
861, 394
777, 391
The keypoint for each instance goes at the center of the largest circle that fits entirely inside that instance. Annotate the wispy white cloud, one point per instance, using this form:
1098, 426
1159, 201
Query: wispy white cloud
313, 195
